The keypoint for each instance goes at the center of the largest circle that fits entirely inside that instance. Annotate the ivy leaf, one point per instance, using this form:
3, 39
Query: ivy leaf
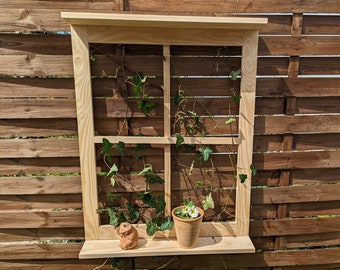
113, 170
205, 152
142, 146
114, 218
148, 198
139, 80
111, 197
236, 98
208, 202
230, 120
151, 227
145, 106
234, 74
253, 170
243, 177
145, 170
160, 206
133, 213
106, 146
153, 178
120, 147
168, 224
179, 140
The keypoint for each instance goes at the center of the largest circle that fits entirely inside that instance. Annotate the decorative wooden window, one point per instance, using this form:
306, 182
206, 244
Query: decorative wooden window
166, 31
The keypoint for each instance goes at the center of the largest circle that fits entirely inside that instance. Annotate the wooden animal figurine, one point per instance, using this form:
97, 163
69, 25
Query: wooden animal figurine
128, 236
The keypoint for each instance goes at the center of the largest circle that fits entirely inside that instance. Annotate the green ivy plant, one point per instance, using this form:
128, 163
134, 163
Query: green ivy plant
130, 213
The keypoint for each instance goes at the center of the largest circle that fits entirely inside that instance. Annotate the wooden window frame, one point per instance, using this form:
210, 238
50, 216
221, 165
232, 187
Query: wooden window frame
215, 238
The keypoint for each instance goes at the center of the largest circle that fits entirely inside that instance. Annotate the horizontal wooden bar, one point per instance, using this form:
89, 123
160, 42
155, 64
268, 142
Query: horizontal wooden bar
166, 247
208, 229
168, 140
163, 21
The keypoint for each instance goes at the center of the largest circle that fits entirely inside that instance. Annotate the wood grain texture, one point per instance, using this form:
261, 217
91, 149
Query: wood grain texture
82, 75
313, 161
205, 245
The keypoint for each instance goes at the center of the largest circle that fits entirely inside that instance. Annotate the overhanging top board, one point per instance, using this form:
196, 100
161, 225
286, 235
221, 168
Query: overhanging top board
162, 21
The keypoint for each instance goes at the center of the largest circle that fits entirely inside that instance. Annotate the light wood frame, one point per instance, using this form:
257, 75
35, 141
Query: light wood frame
215, 238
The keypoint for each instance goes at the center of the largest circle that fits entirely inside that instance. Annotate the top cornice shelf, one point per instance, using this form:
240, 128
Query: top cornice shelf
162, 21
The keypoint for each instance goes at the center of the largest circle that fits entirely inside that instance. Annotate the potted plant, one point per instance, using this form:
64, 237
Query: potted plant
187, 221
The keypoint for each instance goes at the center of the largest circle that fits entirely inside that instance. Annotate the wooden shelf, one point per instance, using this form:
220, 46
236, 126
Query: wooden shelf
166, 247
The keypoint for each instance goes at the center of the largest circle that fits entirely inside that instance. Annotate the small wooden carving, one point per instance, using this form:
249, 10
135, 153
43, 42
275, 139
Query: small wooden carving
128, 236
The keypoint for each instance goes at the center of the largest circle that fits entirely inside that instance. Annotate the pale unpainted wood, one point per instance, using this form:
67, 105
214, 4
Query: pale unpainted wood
214, 229
167, 140
246, 130
82, 77
167, 128
144, 21
156, 36
168, 247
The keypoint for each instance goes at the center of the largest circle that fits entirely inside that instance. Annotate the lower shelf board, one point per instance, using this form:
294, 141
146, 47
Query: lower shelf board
166, 247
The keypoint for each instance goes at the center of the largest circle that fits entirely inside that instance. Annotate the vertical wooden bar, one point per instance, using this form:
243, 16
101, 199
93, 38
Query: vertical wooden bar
167, 131
82, 79
246, 130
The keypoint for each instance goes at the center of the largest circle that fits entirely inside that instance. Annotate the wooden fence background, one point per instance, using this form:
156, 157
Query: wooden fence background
295, 215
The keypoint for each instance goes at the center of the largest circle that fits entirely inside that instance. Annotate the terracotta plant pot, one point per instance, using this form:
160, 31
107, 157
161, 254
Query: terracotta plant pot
187, 230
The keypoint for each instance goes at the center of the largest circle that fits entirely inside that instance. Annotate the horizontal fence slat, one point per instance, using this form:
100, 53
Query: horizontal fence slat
41, 219
312, 240
40, 185
37, 202
258, 260
39, 148
22, 166
297, 160
12, 128
294, 226
296, 194
40, 251
55, 264
37, 108
14, 235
